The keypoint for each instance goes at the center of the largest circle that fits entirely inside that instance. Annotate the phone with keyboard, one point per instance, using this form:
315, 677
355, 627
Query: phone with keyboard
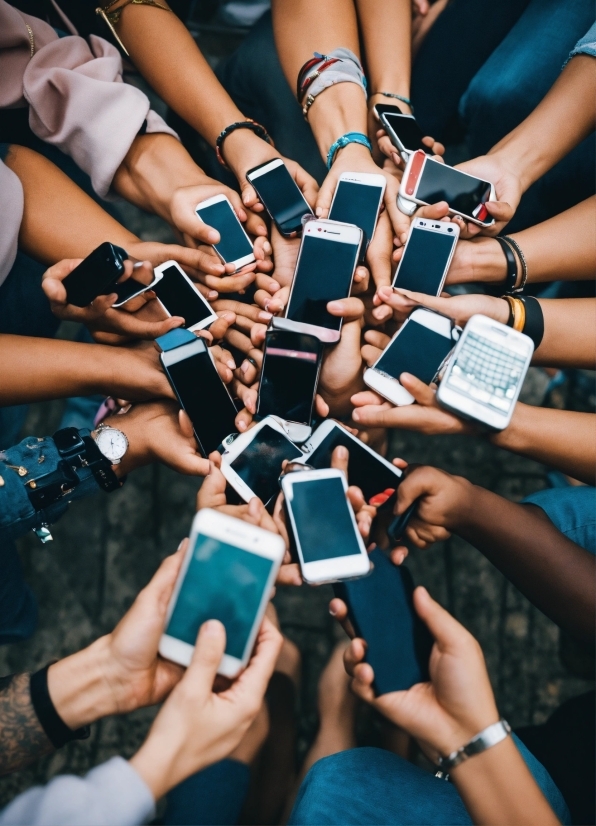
486, 371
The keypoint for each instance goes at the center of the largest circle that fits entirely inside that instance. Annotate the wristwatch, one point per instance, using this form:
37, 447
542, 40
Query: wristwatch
112, 442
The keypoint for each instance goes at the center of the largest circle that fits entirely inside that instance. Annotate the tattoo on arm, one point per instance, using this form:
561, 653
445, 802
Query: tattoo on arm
22, 739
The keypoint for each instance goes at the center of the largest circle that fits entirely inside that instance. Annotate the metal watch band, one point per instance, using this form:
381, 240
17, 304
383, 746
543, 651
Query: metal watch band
484, 740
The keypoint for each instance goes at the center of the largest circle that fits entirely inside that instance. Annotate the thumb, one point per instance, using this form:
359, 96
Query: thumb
423, 393
212, 493
446, 630
186, 427
325, 196
54, 290
209, 649
249, 195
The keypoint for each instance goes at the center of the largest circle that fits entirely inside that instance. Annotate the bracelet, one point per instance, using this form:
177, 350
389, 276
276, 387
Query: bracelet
249, 123
393, 95
522, 258
57, 732
511, 277
487, 738
534, 319
349, 137
309, 79
112, 18
510, 304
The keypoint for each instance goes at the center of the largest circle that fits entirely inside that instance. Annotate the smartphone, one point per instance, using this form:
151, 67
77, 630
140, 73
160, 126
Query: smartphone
228, 572
427, 256
485, 375
404, 133
375, 476
427, 181
381, 109
194, 378
357, 200
381, 609
252, 461
419, 347
235, 246
97, 274
179, 297
327, 258
280, 195
323, 526
289, 378
131, 288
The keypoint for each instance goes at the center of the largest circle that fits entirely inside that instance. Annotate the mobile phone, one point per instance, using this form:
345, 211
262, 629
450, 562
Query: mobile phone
289, 378
280, 196
381, 609
357, 200
404, 133
131, 288
427, 256
235, 246
427, 181
323, 526
419, 347
486, 372
377, 478
252, 461
179, 297
325, 267
381, 109
228, 572
97, 274
194, 378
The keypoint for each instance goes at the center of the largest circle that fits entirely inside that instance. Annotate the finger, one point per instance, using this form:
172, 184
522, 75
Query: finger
376, 416
212, 493
340, 458
325, 196
423, 393
321, 406
243, 420
254, 681
446, 630
219, 328
230, 283
339, 610
354, 655
209, 649
367, 397
350, 309
399, 554
377, 339
289, 575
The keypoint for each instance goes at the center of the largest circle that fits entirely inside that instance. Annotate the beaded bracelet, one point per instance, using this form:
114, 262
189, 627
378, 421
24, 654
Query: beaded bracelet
241, 124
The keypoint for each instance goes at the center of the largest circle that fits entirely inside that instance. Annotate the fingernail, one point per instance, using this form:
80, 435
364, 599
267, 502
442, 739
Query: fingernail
231, 364
356, 415
332, 612
264, 316
244, 367
342, 452
267, 247
229, 316
212, 628
213, 237
180, 544
318, 212
212, 295
336, 305
241, 425
245, 198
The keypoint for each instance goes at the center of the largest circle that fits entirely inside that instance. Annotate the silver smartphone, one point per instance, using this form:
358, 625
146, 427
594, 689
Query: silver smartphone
180, 297
427, 256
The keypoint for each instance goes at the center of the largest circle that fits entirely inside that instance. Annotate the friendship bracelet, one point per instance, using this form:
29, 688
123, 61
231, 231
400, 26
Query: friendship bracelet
534, 319
349, 137
57, 732
522, 258
241, 124
312, 78
395, 96
511, 277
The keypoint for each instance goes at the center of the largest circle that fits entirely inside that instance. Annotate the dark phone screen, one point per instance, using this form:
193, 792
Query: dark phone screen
423, 264
233, 244
95, 275
323, 522
364, 470
387, 109
259, 466
324, 273
408, 131
180, 298
221, 582
416, 350
205, 398
443, 183
281, 196
357, 204
289, 376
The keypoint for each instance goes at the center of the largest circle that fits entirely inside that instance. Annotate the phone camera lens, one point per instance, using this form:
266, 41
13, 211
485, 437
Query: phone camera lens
320, 230
450, 229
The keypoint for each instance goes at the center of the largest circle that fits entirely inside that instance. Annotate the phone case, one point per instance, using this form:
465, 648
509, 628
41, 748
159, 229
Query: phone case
95, 275
381, 610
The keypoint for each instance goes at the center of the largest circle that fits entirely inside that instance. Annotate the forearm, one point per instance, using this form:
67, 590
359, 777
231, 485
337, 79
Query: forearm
569, 333
386, 30
22, 739
564, 439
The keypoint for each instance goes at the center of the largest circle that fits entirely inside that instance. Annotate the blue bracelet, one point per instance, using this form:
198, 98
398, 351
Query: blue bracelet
349, 137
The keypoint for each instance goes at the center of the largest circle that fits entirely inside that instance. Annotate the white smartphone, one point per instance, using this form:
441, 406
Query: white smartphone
427, 256
228, 572
419, 347
180, 297
357, 199
326, 536
427, 181
252, 461
324, 272
486, 372
280, 195
131, 288
235, 247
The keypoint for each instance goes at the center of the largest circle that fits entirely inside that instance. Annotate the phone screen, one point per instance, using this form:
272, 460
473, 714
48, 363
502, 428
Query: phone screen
180, 298
408, 131
357, 204
423, 264
364, 470
281, 196
259, 465
205, 398
233, 244
221, 582
324, 273
289, 376
323, 523
462, 192
487, 372
416, 350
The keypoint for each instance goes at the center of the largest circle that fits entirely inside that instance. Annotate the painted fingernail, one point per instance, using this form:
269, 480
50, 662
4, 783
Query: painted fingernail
265, 316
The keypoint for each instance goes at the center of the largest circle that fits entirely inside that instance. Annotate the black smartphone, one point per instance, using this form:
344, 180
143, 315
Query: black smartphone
427, 256
95, 275
281, 197
381, 109
404, 133
201, 392
382, 612
179, 297
357, 200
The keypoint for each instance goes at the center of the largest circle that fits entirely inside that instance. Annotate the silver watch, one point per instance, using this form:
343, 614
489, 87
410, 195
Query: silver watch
488, 737
111, 442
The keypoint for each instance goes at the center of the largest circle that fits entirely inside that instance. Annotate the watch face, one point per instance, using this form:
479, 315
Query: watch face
112, 443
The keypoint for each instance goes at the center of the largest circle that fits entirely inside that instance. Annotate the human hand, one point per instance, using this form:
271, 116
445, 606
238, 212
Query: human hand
458, 307
508, 190
274, 290
341, 371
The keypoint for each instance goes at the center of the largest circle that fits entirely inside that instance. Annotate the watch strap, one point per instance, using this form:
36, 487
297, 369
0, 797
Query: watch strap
100, 467
175, 338
511, 277
484, 740
57, 732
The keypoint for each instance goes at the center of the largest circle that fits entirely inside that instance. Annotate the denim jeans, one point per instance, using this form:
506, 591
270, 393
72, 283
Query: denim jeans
371, 786
213, 797
572, 510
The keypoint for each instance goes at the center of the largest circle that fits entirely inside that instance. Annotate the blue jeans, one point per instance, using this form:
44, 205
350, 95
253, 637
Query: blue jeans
572, 510
213, 797
371, 786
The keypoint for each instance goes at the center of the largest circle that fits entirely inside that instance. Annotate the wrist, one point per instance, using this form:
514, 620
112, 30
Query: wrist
154, 763
243, 150
398, 88
337, 110
485, 261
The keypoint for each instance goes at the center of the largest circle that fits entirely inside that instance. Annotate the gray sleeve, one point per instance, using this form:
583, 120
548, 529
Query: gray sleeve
112, 794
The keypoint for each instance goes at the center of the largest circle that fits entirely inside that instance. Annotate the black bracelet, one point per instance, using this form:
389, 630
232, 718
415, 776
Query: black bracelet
511, 277
57, 732
534, 324
100, 467
241, 124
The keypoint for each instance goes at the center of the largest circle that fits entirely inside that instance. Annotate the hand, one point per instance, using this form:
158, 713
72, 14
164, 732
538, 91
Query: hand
133, 372
197, 726
274, 290
479, 260
341, 373
508, 190
458, 307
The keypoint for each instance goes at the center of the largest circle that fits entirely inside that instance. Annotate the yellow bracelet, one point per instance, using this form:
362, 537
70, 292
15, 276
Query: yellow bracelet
519, 315
112, 18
